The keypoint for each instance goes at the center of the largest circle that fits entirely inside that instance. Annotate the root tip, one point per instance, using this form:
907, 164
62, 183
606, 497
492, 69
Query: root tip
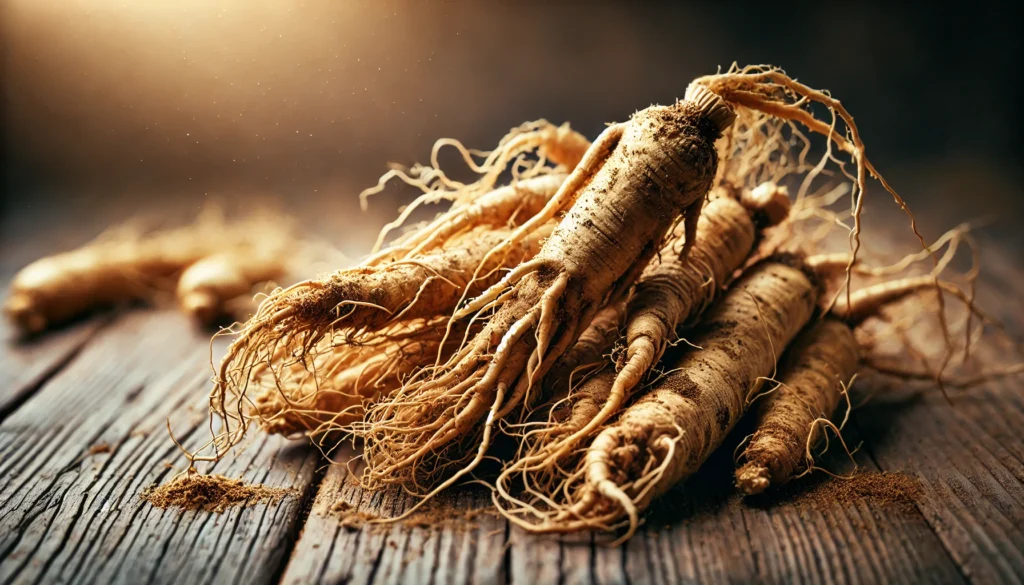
752, 479
769, 200
21, 311
202, 306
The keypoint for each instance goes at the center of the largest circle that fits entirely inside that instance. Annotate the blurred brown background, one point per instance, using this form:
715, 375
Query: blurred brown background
125, 105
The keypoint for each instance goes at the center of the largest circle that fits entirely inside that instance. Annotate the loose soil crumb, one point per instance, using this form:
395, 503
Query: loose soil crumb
210, 493
99, 448
349, 517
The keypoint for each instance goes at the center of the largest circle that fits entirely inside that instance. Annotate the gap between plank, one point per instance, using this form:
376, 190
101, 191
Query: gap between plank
291, 539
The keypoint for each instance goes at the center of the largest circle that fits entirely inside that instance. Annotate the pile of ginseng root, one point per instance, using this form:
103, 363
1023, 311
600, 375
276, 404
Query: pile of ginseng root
610, 309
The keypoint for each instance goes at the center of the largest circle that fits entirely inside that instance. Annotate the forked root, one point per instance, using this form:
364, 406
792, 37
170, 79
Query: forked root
614, 225
666, 434
671, 291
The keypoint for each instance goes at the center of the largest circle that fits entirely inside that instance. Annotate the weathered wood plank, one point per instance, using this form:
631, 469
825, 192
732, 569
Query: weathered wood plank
806, 540
700, 532
70, 515
78, 452
441, 550
970, 455
26, 363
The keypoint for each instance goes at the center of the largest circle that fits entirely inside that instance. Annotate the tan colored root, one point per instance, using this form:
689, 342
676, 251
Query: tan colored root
760, 150
327, 391
350, 305
672, 290
123, 266
505, 206
867, 302
444, 422
768, 199
209, 290
666, 434
830, 264
792, 418
588, 353
817, 369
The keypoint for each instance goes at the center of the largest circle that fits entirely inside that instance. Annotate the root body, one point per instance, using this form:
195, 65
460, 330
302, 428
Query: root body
589, 351
330, 392
633, 184
353, 304
671, 291
817, 368
119, 267
673, 427
207, 288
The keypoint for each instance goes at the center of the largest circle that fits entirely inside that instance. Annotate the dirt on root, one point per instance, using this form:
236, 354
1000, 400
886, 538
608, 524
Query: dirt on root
210, 493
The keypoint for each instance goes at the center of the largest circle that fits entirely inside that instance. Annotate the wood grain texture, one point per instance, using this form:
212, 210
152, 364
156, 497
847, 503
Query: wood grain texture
969, 453
76, 455
702, 532
438, 546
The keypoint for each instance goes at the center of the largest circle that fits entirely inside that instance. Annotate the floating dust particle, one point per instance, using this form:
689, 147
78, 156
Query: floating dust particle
210, 493
99, 448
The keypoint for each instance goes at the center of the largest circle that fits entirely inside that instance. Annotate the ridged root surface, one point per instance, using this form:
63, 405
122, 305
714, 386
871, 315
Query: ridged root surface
671, 429
816, 371
622, 199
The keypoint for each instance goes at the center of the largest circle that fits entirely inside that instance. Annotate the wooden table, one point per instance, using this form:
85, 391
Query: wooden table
83, 415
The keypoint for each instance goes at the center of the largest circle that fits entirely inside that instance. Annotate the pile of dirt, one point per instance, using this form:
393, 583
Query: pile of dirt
210, 493
890, 489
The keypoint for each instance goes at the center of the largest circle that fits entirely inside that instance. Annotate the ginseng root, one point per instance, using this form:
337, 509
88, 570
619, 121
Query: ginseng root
367, 298
587, 353
558, 144
672, 428
671, 291
210, 289
624, 195
790, 418
328, 391
771, 91
121, 267
508, 205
